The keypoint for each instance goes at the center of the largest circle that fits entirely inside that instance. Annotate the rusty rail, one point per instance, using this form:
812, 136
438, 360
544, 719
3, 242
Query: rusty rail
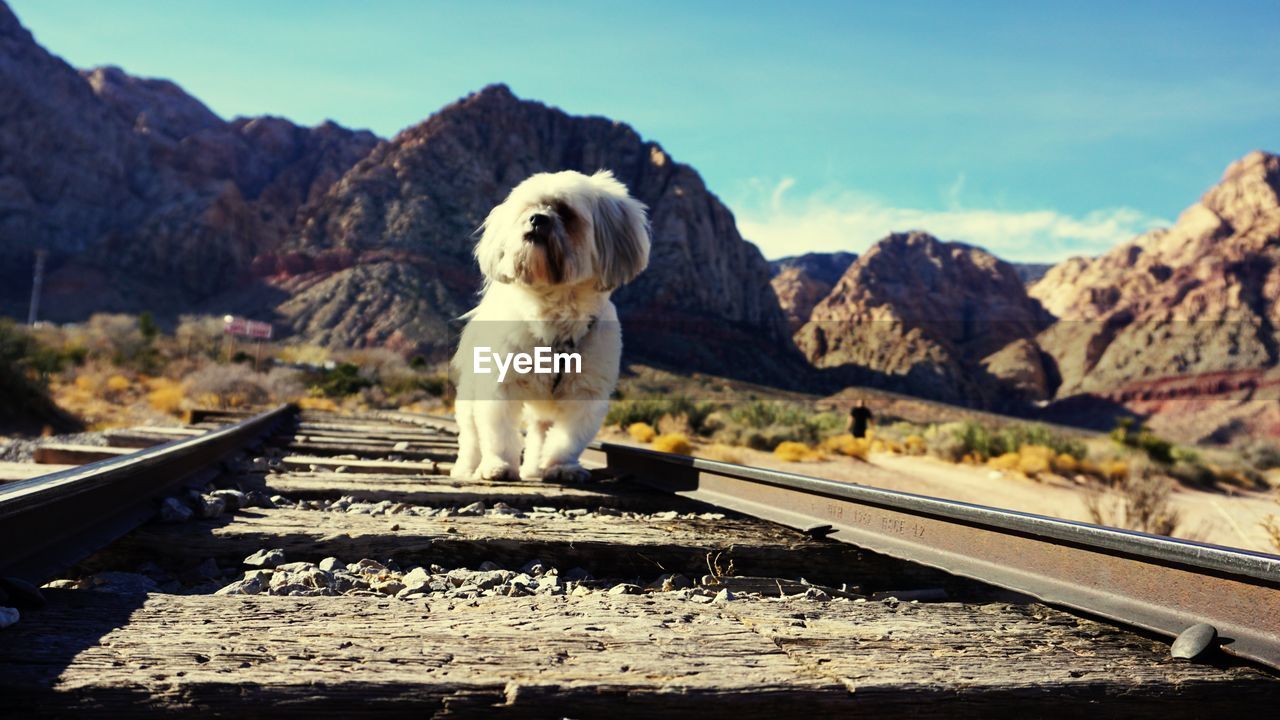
51, 522
1156, 583
1159, 584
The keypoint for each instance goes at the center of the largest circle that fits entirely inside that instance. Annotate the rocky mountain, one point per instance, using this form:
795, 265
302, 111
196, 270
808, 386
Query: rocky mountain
801, 281
146, 199
143, 197
422, 195
918, 313
1191, 311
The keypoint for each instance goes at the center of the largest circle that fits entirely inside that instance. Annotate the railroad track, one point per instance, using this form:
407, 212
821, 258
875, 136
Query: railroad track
319, 565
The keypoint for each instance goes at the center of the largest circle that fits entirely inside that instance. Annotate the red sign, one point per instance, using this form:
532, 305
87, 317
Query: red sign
247, 328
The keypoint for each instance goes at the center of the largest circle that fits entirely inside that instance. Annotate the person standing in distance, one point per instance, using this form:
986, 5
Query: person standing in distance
859, 419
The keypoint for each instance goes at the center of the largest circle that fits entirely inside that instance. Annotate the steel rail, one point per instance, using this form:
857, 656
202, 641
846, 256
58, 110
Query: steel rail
51, 522
1159, 584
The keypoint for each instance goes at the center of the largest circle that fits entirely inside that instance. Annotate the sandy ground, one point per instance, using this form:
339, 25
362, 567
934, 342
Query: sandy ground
1217, 518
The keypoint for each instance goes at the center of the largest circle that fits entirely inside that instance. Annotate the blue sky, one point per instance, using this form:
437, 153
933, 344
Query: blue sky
1038, 130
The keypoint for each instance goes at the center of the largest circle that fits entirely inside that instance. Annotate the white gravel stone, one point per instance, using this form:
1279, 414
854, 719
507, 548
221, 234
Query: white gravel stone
416, 578
330, 564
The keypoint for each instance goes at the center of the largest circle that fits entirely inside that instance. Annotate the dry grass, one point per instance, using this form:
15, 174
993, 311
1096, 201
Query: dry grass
673, 443
847, 445
166, 395
1271, 524
317, 403
1035, 460
1008, 461
1140, 502
641, 432
1065, 464
791, 451
914, 445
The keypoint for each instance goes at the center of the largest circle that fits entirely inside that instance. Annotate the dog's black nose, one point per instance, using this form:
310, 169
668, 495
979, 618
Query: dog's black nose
540, 223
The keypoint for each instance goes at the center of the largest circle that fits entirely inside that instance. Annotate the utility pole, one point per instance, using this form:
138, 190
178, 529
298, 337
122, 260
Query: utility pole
37, 283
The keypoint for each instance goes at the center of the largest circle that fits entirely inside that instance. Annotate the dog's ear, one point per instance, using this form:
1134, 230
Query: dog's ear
489, 248
621, 233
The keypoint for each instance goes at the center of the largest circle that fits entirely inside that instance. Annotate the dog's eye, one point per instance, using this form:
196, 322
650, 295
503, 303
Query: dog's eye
566, 213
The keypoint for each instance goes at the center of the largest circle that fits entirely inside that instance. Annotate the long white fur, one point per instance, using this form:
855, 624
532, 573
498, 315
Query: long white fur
602, 240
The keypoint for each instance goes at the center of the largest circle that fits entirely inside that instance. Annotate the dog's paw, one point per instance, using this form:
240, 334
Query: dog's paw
530, 472
567, 473
496, 469
462, 472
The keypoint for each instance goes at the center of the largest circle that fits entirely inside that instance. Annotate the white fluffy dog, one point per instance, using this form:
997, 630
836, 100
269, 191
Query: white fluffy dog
551, 254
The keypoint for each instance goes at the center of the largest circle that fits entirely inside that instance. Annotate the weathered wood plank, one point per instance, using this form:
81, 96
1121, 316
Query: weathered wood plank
442, 491
11, 471
175, 430
597, 656
367, 451
68, 454
329, 439
606, 545
310, 462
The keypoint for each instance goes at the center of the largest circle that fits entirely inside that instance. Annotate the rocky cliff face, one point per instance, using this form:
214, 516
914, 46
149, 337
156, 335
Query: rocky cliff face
802, 281
144, 198
922, 313
1200, 297
424, 193
1182, 322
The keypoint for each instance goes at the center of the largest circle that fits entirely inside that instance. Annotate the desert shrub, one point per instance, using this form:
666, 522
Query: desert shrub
343, 380
914, 445
229, 386
147, 326
166, 396
1141, 438
673, 443
796, 452
668, 424
650, 410
120, 339
641, 432
1066, 464
764, 425
283, 384
848, 445
23, 387
942, 441
316, 403
1115, 470
117, 384
980, 440
314, 355
199, 335
1035, 460
1005, 461
1139, 502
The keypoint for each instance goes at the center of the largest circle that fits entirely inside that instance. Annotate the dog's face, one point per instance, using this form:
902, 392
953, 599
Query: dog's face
565, 228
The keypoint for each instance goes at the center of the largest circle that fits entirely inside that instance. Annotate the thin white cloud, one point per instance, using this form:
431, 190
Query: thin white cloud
831, 221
